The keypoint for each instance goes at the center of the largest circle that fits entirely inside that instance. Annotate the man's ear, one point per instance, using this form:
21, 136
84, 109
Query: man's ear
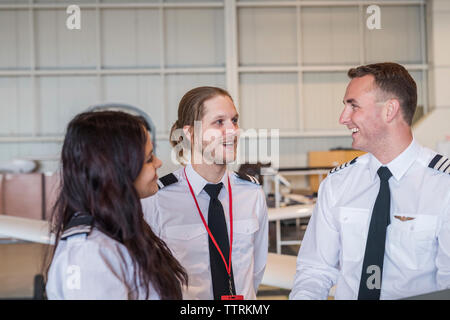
392, 109
187, 133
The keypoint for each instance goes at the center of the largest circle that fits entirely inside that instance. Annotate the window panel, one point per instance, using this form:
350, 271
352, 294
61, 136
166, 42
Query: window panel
267, 36
398, 39
16, 118
14, 39
322, 100
330, 35
59, 47
144, 92
269, 100
130, 38
194, 37
61, 98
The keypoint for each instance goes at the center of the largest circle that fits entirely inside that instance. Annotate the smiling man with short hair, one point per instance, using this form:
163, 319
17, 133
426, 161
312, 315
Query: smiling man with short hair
381, 226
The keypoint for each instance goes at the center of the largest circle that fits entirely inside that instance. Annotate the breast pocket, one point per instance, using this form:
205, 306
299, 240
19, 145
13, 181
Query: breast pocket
189, 245
412, 243
243, 240
354, 225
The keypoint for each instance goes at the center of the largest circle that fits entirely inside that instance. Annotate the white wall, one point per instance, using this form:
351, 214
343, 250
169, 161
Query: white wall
434, 129
285, 63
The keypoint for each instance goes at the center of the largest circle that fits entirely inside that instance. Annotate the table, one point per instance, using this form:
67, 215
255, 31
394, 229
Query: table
25, 229
280, 271
289, 212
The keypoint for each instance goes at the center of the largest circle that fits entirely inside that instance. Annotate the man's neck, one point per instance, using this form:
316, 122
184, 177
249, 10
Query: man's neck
394, 147
210, 172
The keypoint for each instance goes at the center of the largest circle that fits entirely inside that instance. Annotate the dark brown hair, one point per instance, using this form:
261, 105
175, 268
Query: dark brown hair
392, 79
191, 109
102, 155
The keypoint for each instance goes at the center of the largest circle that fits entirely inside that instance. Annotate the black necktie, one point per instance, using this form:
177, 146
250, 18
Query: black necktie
372, 271
218, 227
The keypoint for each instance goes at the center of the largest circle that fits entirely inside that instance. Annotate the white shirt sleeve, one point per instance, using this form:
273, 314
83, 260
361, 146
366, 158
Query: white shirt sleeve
261, 240
317, 262
443, 254
88, 271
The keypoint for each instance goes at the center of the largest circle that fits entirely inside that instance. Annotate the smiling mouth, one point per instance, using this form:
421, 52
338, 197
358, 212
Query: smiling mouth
354, 130
228, 144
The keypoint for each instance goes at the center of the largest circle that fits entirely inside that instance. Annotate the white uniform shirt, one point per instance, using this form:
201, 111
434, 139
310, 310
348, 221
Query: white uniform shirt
417, 255
93, 267
173, 216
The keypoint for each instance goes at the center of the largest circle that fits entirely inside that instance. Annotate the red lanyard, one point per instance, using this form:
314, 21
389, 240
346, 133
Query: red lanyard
227, 266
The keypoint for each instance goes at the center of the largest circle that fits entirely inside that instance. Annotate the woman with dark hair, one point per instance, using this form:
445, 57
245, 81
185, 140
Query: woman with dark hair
104, 249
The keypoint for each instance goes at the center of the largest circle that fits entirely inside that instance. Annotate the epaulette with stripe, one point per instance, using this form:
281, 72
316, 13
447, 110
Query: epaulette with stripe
80, 223
167, 180
344, 165
247, 177
440, 163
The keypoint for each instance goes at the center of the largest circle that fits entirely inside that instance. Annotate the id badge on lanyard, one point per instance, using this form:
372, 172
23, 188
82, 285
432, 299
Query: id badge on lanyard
231, 296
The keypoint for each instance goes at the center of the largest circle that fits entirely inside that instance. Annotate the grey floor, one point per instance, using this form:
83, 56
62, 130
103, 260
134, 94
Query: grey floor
20, 262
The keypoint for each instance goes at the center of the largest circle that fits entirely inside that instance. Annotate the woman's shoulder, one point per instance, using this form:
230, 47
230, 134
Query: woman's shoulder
84, 264
91, 250
98, 243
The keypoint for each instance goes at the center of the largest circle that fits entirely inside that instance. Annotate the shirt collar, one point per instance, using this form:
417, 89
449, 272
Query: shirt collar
399, 165
198, 182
